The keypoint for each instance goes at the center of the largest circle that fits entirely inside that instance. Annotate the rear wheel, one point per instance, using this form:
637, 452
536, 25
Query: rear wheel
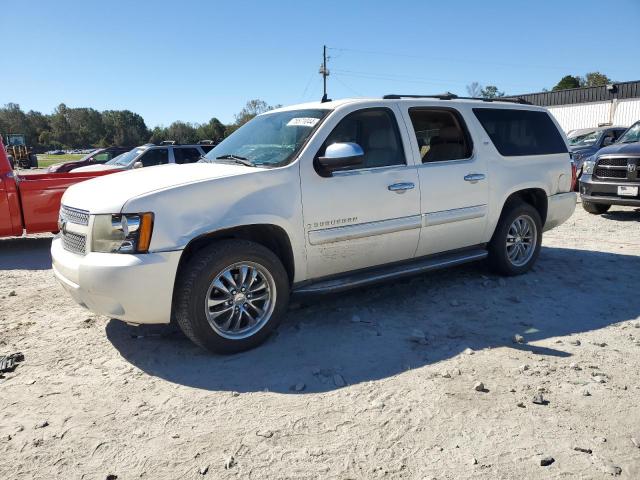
595, 208
515, 245
231, 296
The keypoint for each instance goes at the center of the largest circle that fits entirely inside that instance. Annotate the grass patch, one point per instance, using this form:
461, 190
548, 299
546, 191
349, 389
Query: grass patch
48, 160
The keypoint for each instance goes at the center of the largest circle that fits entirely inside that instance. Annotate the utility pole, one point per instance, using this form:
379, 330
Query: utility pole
325, 73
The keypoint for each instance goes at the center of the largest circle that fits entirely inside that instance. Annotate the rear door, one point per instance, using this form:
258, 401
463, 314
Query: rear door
453, 179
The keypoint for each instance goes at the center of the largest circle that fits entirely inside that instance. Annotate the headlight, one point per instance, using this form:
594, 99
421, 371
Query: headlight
126, 233
587, 166
578, 156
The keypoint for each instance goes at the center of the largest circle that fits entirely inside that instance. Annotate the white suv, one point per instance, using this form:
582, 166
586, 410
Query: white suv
314, 198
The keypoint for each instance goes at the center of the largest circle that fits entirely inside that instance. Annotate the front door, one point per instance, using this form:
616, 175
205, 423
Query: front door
368, 215
453, 180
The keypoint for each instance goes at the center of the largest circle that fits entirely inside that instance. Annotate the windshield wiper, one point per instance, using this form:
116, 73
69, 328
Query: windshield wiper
237, 159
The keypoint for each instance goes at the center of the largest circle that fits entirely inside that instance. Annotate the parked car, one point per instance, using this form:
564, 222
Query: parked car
313, 199
610, 177
149, 155
31, 203
96, 157
585, 142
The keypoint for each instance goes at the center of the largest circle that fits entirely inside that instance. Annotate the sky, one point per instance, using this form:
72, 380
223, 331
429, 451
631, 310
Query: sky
193, 60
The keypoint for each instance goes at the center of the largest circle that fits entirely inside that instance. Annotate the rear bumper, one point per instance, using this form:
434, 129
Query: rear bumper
559, 208
133, 288
606, 193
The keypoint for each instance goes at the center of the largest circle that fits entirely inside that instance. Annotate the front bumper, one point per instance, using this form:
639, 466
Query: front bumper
606, 192
559, 208
133, 288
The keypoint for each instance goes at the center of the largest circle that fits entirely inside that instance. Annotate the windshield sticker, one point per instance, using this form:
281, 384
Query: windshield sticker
303, 122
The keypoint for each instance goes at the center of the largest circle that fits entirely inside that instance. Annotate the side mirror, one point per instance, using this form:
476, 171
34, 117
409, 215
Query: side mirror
137, 165
339, 156
607, 141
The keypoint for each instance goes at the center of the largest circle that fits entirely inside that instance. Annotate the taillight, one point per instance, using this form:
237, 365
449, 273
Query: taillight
574, 176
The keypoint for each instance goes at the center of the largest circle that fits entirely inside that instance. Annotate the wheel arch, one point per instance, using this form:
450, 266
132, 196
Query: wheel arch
273, 237
534, 196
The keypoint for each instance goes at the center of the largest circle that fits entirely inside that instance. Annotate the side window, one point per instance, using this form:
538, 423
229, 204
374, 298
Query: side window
521, 132
156, 156
207, 148
441, 135
102, 157
186, 155
376, 131
617, 134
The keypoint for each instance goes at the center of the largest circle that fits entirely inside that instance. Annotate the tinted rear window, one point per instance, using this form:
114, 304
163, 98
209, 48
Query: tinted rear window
521, 132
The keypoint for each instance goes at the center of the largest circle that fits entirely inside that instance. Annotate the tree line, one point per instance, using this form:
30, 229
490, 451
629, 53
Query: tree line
591, 79
84, 127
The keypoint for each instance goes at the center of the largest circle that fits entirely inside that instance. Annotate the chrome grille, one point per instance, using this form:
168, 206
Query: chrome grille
73, 215
74, 243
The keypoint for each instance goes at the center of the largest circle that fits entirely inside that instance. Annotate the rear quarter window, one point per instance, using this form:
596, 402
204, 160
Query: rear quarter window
521, 132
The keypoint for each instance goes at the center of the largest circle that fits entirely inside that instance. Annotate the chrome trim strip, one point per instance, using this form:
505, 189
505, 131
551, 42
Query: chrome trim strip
362, 230
362, 279
455, 215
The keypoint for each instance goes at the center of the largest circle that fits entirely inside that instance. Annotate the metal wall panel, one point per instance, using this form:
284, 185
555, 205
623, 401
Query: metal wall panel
627, 112
586, 115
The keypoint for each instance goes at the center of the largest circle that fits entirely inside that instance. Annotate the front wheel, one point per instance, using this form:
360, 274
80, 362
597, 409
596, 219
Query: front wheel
595, 208
515, 245
231, 295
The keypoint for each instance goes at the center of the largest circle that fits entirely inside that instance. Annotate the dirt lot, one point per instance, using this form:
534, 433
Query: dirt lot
344, 390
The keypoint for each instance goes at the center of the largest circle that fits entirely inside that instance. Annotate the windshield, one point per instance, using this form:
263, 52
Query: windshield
271, 139
125, 158
583, 139
631, 135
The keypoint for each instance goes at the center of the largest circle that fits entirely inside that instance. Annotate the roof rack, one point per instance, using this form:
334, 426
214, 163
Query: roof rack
205, 142
168, 142
453, 96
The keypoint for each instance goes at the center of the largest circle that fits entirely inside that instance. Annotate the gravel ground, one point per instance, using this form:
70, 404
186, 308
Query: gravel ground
378, 383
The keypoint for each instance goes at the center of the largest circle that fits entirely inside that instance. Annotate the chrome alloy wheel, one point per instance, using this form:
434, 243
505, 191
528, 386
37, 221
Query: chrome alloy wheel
521, 240
240, 300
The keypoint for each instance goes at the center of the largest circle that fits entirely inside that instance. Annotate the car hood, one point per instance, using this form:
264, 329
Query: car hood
621, 148
582, 149
108, 194
98, 168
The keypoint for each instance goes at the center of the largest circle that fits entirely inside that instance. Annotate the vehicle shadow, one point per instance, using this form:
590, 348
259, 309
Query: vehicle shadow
25, 253
623, 215
368, 335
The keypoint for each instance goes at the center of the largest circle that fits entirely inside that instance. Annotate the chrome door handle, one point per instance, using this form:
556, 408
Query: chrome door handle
474, 177
401, 187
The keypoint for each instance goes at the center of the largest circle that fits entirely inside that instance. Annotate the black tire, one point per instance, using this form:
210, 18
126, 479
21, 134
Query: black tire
195, 278
498, 258
595, 208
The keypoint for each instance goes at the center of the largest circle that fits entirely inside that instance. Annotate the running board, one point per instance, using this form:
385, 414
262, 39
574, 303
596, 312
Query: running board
381, 274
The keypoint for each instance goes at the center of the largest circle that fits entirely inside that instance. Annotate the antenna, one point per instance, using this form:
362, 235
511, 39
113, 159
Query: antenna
325, 73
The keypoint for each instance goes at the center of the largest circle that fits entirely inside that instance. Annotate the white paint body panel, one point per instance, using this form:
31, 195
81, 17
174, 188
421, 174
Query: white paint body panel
335, 225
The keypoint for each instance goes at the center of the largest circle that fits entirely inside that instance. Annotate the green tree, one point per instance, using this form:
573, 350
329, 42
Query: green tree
491, 91
181, 132
60, 127
123, 127
595, 79
568, 81
212, 130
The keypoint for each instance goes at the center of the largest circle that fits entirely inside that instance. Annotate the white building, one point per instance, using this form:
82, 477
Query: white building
616, 104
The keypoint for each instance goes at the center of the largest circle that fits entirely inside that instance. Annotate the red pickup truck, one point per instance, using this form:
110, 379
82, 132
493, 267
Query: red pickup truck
31, 202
